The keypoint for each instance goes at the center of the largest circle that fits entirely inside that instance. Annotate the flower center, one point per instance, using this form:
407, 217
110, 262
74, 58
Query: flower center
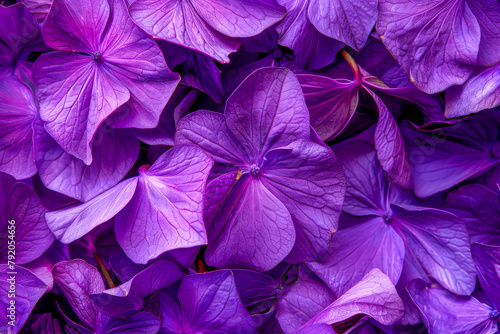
255, 170
494, 314
96, 55
387, 216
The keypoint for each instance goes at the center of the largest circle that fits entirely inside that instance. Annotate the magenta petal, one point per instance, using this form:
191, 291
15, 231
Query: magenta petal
308, 179
166, 211
390, 146
331, 103
75, 96
374, 296
77, 280
440, 243
22, 212
28, 290
68, 175
210, 303
17, 113
444, 312
346, 21
252, 228
71, 223
436, 42
357, 249
277, 115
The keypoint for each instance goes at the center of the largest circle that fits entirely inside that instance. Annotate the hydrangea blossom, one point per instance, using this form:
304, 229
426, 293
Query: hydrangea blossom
249, 166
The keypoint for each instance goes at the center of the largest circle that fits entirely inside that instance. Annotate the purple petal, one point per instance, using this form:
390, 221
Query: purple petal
277, 115
331, 103
71, 223
390, 146
208, 130
444, 312
239, 18
366, 183
42, 268
487, 259
374, 296
23, 217
19, 35
75, 96
206, 26
68, 175
76, 26
430, 105
479, 208
17, 113
445, 157
196, 69
355, 250
487, 13
375, 58
312, 49
77, 280
346, 21
28, 290
436, 43
252, 228
308, 179
139, 323
301, 301
180, 23
254, 287
39, 8
210, 302
480, 92
128, 298
316, 329
440, 243
166, 210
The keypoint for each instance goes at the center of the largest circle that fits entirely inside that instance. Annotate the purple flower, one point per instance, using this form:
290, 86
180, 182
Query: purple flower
385, 227
105, 65
445, 312
279, 193
157, 211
